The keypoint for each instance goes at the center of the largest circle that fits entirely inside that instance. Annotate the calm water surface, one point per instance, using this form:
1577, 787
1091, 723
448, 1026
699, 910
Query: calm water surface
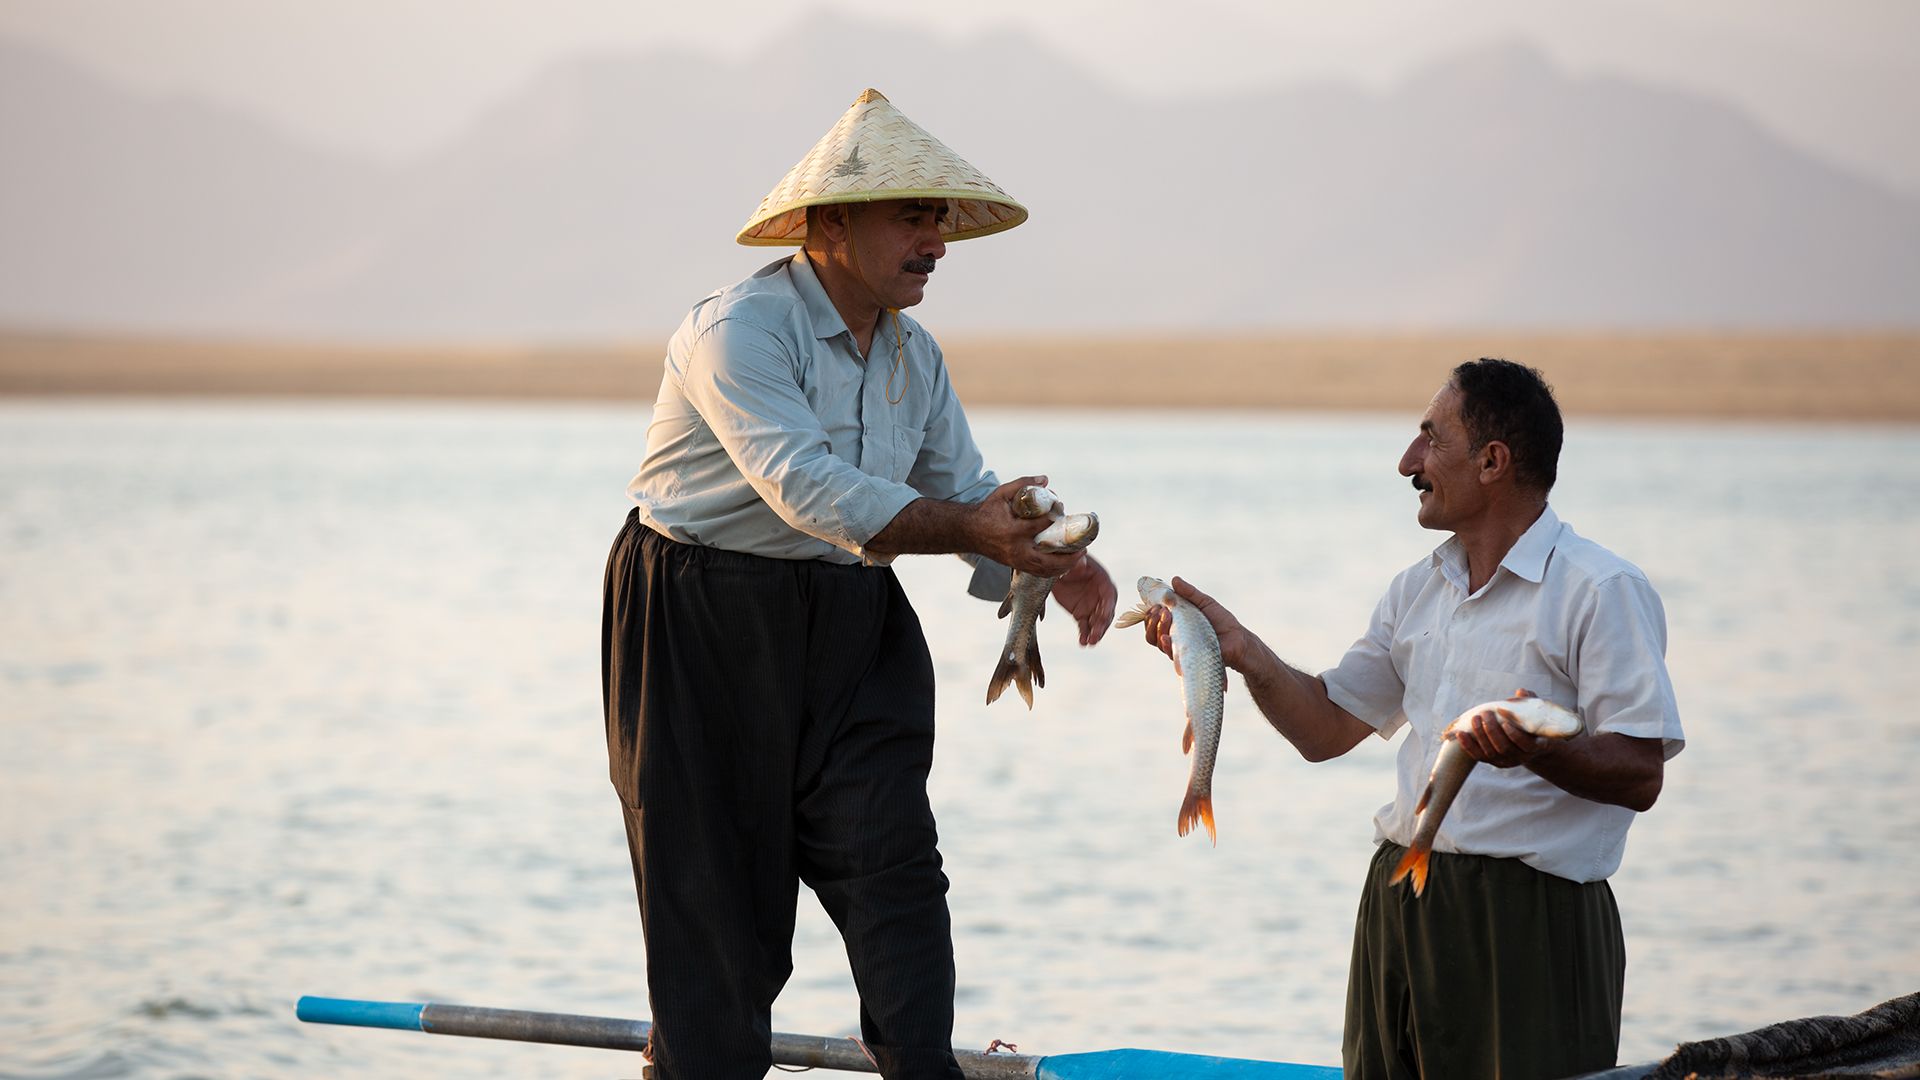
304, 699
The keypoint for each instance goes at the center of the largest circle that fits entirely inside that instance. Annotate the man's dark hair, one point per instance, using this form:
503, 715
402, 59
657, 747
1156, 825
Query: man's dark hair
1508, 402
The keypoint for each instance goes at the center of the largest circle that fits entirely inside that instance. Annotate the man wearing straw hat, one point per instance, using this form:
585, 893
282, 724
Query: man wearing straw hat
769, 695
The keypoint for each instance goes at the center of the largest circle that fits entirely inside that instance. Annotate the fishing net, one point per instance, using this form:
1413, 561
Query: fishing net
1883, 1043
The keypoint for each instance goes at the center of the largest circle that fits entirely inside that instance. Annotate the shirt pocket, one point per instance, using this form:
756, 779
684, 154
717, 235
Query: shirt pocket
906, 450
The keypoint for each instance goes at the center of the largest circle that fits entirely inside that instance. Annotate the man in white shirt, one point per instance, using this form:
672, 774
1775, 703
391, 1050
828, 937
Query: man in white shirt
1511, 963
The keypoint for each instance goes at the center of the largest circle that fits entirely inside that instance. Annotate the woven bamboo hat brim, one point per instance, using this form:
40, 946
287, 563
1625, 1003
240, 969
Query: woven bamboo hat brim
874, 152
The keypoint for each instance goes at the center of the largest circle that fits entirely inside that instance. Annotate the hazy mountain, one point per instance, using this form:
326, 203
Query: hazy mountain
601, 200
128, 212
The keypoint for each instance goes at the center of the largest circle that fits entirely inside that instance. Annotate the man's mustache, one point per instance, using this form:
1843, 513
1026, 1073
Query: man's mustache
922, 265
1420, 483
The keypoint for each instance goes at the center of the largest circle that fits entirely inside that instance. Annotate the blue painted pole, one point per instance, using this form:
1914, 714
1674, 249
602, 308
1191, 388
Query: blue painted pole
808, 1050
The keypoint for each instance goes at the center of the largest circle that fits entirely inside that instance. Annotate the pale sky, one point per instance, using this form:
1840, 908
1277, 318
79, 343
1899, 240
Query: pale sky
394, 78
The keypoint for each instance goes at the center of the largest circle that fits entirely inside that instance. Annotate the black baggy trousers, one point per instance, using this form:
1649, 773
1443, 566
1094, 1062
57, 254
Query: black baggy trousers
771, 721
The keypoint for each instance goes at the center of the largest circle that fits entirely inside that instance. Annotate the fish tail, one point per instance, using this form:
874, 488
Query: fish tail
1414, 862
1002, 675
1024, 672
1197, 808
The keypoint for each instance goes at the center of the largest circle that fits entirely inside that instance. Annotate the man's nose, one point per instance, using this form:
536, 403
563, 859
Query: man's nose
932, 246
1410, 461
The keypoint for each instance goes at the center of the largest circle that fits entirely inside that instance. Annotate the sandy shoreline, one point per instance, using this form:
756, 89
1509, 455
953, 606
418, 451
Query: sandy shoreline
1838, 376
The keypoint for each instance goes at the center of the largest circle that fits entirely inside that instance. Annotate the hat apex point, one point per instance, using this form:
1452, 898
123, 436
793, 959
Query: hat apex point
869, 94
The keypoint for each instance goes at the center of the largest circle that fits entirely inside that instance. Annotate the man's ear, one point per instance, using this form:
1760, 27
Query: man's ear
831, 221
1496, 461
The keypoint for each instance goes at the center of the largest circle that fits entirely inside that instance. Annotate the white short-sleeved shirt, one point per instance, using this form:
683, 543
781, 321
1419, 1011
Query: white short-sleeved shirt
1562, 617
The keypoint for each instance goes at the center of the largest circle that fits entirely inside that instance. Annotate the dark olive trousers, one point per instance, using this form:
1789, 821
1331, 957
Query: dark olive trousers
771, 721
1498, 972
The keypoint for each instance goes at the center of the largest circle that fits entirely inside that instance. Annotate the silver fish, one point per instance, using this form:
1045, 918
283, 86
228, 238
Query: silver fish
1203, 679
1027, 597
1534, 715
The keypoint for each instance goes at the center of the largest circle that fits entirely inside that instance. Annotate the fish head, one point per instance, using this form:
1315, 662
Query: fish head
1070, 533
1154, 591
1034, 501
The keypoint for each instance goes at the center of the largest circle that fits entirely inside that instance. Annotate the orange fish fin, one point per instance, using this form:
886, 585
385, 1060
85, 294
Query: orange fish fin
1425, 796
1198, 809
1186, 739
1414, 862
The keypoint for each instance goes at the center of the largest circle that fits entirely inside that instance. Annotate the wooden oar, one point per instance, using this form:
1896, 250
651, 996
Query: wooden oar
811, 1050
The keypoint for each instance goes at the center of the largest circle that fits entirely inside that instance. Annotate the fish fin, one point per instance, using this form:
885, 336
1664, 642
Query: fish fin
1024, 672
1132, 616
1003, 674
1414, 862
1425, 796
1198, 808
1186, 739
1006, 606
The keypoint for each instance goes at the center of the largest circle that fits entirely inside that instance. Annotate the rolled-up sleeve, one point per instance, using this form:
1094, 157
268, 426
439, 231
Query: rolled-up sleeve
1623, 683
1365, 682
741, 378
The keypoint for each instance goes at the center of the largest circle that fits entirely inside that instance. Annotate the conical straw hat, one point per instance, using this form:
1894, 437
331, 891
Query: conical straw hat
875, 152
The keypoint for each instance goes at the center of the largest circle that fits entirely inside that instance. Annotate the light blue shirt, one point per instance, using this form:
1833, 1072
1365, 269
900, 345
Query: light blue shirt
773, 436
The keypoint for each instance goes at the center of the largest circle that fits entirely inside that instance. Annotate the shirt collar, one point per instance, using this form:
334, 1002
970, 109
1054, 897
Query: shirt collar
827, 322
826, 319
1526, 559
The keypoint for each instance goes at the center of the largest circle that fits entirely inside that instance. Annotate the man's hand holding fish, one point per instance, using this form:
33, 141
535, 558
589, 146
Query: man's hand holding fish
1293, 702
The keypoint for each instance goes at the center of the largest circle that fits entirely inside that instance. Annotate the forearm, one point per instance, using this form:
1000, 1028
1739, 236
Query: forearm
1618, 770
1297, 706
928, 527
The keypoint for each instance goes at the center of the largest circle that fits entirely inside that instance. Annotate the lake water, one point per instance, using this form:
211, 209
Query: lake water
303, 699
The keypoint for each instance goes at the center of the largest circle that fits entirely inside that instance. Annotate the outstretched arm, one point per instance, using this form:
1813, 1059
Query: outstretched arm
1294, 702
989, 527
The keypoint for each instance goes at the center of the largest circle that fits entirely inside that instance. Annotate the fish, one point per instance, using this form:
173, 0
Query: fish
1027, 596
1203, 678
1535, 715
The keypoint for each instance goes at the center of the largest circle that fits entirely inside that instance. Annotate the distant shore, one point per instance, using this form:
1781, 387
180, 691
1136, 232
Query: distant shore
1837, 376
